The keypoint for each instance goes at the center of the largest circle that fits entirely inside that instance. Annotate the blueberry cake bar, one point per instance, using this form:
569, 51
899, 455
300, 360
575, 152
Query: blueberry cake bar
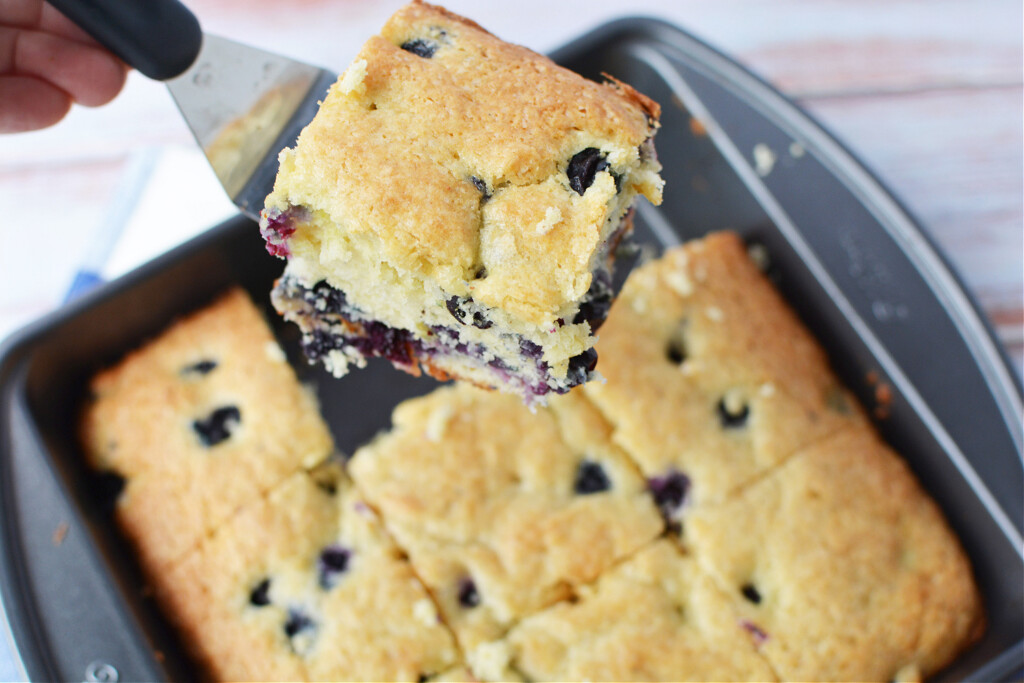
305, 585
199, 420
502, 510
455, 206
655, 617
711, 379
719, 508
840, 548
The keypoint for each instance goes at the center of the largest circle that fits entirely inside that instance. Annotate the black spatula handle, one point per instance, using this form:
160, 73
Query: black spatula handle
160, 38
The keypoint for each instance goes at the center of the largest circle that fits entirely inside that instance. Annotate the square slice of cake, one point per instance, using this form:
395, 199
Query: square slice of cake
654, 617
455, 206
711, 379
841, 566
306, 585
196, 422
503, 511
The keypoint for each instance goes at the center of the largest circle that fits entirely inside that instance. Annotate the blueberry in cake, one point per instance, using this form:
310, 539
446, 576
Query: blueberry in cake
455, 207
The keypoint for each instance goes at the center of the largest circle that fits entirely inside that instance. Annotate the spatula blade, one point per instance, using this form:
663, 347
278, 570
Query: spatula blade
243, 106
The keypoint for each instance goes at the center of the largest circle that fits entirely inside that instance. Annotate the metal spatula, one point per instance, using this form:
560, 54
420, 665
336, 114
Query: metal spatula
243, 104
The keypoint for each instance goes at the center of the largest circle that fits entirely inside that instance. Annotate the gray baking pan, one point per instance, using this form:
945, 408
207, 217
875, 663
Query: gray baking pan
852, 262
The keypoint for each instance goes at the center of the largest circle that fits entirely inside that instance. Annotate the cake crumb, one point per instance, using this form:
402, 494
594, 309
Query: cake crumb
274, 352
733, 402
354, 80
437, 423
883, 400
764, 159
424, 611
551, 218
758, 253
714, 313
767, 389
490, 660
679, 282
60, 533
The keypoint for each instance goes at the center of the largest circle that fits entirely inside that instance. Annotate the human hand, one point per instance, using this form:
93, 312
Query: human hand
46, 64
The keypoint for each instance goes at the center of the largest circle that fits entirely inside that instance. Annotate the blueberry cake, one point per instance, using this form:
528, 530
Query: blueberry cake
718, 508
840, 548
711, 379
655, 617
455, 205
305, 585
199, 420
503, 511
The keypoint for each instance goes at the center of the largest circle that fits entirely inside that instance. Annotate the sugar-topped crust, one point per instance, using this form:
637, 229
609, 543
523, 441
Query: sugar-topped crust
212, 399
849, 569
654, 617
305, 585
503, 510
394, 157
709, 373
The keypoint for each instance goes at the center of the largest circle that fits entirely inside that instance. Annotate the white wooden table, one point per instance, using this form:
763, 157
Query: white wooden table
927, 94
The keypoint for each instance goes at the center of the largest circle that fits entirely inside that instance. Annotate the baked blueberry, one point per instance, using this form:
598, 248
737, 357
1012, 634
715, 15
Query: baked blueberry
732, 416
669, 491
456, 306
583, 167
260, 595
581, 366
332, 563
481, 185
298, 627
756, 632
591, 478
218, 425
421, 47
530, 350
326, 299
751, 593
468, 594
595, 306
203, 367
675, 351
279, 225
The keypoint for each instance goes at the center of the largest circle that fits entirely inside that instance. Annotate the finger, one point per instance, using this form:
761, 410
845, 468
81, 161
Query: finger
89, 74
23, 13
27, 103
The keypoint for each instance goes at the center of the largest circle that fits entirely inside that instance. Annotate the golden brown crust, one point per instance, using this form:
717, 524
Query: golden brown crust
477, 487
652, 108
370, 620
845, 551
140, 424
654, 617
393, 153
699, 330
